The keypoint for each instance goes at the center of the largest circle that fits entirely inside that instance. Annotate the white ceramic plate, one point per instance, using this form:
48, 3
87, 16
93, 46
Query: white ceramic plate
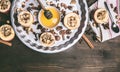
31, 39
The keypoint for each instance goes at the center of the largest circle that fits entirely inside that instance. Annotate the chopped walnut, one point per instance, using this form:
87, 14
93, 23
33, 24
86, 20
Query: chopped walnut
6, 31
4, 4
25, 17
47, 38
72, 21
101, 15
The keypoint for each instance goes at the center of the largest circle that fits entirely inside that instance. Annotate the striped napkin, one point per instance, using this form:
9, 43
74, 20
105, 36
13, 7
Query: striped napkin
104, 32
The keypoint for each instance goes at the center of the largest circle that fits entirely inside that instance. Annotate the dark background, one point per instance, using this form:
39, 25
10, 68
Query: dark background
105, 57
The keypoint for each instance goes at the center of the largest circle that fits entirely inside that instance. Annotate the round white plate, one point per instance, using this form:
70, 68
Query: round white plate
31, 38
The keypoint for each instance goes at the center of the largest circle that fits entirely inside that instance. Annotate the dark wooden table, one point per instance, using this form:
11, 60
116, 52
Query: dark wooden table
105, 57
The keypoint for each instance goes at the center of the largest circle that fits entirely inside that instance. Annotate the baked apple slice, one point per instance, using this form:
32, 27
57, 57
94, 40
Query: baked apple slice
101, 16
47, 39
4, 6
72, 21
6, 32
25, 18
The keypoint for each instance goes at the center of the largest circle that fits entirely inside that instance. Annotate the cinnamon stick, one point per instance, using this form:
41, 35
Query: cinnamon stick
6, 43
88, 41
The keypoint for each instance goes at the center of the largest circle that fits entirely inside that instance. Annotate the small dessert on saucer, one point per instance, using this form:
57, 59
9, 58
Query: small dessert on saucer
49, 22
6, 32
4, 6
25, 18
101, 16
72, 21
47, 39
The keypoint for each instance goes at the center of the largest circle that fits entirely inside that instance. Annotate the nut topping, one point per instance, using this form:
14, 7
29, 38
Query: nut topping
6, 32
47, 39
72, 21
25, 18
4, 5
101, 16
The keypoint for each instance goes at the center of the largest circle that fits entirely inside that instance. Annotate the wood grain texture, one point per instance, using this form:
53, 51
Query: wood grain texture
105, 57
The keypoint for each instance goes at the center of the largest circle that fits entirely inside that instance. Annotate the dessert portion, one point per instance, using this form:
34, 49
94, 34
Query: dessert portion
72, 21
101, 16
25, 18
4, 5
6, 32
52, 22
47, 39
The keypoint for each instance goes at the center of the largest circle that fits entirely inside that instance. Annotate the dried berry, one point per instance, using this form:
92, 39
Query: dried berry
52, 31
35, 8
44, 30
118, 22
36, 22
63, 5
35, 13
68, 31
70, 7
58, 6
57, 38
63, 12
53, 5
23, 4
63, 32
39, 27
31, 4
111, 5
115, 10
29, 9
57, 0
77, 12
19, 10
59, 28
68, 37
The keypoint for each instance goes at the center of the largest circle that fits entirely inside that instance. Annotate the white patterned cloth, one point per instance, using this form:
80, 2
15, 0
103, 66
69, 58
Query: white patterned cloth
101, 32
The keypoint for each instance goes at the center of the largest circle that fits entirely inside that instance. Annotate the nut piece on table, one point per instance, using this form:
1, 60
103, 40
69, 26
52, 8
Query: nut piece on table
25, 18
6, 32
47, 39
72, 21
101, 16
4, 6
